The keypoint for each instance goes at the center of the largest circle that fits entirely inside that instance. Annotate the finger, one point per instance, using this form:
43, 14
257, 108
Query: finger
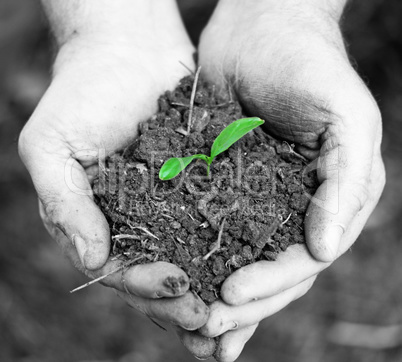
344, 169
376, 186
187, 311
231, 344
153, 280
292, 266
224, 317
64, 190
265, 279
199, 346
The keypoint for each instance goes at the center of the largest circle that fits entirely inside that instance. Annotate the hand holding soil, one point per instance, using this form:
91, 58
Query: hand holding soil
289, 66
101, 89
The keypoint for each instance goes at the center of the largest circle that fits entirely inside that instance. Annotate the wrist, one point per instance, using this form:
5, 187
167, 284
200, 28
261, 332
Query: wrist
327, 9
105, 18
294, 22
126, 29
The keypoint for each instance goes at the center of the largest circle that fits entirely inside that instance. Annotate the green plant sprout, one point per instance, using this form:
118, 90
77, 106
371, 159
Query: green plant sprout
229, 135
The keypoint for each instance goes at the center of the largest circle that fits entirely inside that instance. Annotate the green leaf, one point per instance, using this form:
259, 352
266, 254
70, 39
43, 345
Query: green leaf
232, 133
173, 166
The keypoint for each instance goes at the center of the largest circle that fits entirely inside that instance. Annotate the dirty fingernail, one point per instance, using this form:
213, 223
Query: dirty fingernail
174, 286
81, 247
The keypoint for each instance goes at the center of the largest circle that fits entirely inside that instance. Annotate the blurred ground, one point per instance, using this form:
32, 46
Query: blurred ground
350, 302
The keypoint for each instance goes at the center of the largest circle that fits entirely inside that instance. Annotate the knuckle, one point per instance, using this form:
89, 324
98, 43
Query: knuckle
28, 141
379, 176
23, 144
55, 231
54, 212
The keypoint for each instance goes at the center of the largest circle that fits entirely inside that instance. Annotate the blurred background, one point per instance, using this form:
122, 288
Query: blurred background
354, 311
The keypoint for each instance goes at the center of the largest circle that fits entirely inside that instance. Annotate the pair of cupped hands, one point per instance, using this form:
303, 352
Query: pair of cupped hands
288, 67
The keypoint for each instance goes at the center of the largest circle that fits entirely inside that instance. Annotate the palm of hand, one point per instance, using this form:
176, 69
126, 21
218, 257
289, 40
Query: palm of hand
99, 97
296, 76
92, 108
299, 80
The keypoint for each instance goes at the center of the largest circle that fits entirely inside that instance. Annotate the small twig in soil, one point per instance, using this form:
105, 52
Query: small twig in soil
217, 245
224, 104
182, 131
96, 280
102, 167
190, 115
287, 219
181, 251
190, 216
154, 190
179, 104
292, 151
125, 236
180, 240
230, 94
187, 67
204, 225
144, 230
220, 105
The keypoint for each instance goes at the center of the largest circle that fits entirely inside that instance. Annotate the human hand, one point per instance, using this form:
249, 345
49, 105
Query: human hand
105, 82
287, 64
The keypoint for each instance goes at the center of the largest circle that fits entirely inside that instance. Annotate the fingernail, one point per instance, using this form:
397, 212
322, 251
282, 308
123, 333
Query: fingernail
81, 247
235, 325
164, 294
174, 286
230, 326
333, 240
202, 358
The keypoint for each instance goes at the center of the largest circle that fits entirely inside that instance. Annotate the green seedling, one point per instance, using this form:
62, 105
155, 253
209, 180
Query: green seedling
232, 133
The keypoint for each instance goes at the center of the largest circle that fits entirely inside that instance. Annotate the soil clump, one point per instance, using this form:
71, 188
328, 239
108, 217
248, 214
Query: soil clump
255, 196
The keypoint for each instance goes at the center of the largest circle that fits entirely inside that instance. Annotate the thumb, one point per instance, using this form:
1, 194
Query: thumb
64, 190
344, 171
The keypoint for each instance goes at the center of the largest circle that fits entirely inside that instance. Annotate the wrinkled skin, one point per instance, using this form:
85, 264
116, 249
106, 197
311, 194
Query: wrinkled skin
290, 69
100, 91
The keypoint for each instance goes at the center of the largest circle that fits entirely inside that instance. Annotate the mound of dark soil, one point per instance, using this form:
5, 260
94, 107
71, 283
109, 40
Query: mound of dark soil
256, 193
